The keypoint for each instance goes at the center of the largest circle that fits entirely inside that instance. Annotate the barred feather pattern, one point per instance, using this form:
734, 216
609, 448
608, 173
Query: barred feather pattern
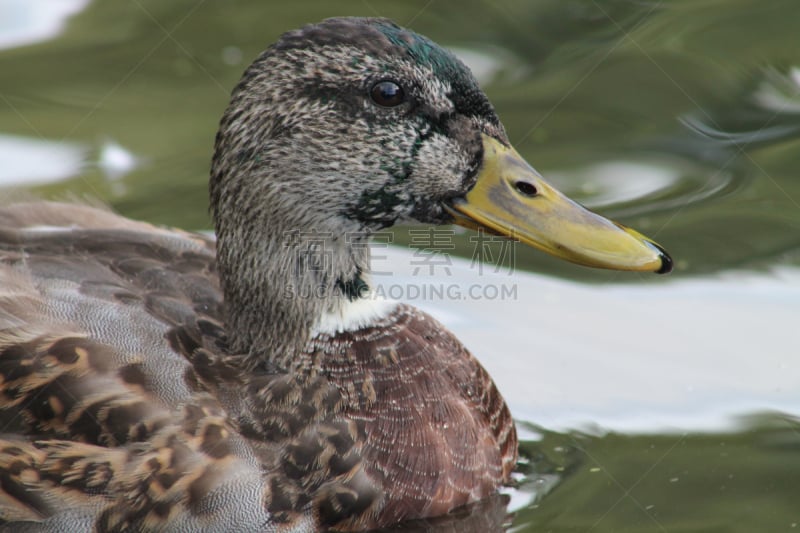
160, 428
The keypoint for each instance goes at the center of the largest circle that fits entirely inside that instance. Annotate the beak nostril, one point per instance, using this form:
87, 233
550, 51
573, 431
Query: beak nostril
526, 189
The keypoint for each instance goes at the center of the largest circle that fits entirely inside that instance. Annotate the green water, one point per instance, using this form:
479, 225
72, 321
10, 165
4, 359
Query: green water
680, 118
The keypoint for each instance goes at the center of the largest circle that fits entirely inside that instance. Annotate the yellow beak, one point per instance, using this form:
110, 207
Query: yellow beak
510, 198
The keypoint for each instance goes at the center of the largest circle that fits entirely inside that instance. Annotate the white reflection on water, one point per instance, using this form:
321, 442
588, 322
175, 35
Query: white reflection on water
780, 92
640, 187
29, 21
33, 161
488, 63
115, 161
675, 355
28, 162
613, 182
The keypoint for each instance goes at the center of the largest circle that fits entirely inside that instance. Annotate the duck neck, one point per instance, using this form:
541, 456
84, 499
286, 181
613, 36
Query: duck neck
279, 287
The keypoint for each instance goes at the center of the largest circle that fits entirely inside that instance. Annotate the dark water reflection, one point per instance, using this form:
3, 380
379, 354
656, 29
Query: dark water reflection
678, 117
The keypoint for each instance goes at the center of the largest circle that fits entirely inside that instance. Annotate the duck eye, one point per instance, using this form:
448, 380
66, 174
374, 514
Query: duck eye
387, 94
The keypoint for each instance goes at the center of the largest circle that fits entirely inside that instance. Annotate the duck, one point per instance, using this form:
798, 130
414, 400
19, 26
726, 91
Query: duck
154, 379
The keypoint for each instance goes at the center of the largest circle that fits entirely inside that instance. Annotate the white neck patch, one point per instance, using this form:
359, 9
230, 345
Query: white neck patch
354, 315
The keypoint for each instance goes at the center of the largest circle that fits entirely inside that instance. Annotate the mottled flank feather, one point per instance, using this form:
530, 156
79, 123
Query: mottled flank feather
102, 427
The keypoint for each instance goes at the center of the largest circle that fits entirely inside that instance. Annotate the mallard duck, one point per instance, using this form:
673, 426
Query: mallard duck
154, 379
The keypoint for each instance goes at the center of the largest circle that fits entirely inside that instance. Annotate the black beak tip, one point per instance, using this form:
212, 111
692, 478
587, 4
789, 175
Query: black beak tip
666, 261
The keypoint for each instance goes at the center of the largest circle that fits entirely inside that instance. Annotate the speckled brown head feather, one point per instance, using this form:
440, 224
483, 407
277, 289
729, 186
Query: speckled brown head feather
153, 379
303, 148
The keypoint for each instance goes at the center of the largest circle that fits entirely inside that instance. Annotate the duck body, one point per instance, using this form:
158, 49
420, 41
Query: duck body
394, 415
158, 380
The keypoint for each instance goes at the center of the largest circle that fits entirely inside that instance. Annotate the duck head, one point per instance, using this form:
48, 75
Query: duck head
350, 126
